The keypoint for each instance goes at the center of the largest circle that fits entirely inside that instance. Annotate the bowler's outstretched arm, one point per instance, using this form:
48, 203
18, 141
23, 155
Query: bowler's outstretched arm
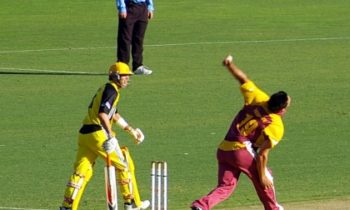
234, 70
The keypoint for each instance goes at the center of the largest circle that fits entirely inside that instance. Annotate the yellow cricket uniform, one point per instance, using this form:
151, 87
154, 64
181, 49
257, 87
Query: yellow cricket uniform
254, 122
90, 141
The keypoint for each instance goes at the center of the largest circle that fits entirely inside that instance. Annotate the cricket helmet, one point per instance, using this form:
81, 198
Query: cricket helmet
120, 68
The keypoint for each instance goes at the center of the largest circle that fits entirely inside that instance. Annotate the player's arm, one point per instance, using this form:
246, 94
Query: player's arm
121, 122
261, 161
135, 133
121, 8
111, 143
106, 124
234, 70
108, 98
150, 8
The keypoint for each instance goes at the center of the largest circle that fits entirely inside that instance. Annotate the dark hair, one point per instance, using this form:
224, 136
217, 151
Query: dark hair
278, 101
113, 76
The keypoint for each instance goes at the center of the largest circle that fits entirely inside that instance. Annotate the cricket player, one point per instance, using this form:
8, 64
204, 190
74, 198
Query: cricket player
256, 129
96, 139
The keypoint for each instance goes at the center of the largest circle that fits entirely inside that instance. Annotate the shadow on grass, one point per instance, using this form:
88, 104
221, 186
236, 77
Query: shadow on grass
52, 73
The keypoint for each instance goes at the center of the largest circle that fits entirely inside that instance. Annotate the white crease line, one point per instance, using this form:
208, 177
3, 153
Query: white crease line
251, 41
184, 44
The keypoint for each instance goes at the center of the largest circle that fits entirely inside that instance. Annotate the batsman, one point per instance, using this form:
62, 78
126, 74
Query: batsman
96, 139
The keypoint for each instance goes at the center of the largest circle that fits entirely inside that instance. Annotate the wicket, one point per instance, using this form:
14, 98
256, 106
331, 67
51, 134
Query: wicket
159, 177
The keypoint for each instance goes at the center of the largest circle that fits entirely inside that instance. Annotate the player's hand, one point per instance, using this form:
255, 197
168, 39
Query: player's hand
150, 15
266, 182
228, 60
110, 144
137, 135
122, 15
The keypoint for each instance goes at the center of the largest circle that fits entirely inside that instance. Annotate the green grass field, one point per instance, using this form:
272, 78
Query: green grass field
186, 106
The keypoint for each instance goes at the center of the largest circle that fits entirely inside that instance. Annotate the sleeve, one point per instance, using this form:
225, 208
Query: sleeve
109, 95
274, 132
252, 94
150, 5
121, 5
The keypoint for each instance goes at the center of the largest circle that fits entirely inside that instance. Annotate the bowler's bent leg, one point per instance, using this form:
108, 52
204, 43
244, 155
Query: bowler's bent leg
227, 182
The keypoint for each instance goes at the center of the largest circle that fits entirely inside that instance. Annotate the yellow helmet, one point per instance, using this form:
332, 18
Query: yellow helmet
120, 68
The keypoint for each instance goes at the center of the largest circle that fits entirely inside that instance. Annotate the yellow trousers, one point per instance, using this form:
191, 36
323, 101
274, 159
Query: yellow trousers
90, 147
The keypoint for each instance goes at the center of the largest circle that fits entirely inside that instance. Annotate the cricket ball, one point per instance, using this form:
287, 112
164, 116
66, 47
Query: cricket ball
229, 58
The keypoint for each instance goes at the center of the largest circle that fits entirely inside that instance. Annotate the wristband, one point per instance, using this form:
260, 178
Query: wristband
122, 123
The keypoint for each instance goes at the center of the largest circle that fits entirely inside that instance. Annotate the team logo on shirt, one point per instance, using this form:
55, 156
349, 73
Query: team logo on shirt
108, 105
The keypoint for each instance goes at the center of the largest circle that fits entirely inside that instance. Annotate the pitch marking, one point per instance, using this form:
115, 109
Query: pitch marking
185, 44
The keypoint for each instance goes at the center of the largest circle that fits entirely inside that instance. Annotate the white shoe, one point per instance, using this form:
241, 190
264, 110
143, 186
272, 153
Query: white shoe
145, 204
142, 70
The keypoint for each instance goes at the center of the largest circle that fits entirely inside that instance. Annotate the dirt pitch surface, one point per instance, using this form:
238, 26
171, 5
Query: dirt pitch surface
334, 204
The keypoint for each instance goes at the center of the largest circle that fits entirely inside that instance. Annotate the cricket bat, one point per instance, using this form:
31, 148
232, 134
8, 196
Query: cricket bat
111, 186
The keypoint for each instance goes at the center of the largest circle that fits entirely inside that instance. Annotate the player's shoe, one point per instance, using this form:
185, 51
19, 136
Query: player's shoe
145, 204
195, 208
143, 70
131, 206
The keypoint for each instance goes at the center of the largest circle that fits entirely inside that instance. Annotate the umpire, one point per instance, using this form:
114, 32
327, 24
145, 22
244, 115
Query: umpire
133, 21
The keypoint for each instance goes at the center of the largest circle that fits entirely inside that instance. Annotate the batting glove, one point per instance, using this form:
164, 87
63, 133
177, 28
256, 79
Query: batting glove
110, 144
137, 135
